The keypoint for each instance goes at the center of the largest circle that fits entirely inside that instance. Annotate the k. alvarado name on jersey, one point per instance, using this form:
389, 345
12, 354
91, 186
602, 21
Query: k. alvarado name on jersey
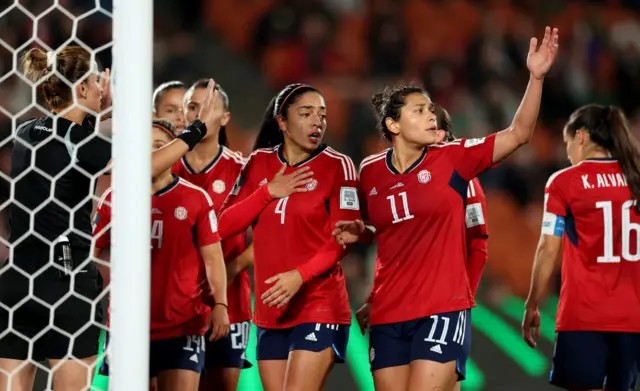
603, 180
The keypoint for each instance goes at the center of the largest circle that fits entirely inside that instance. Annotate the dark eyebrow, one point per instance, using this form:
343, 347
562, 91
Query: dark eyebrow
311, 107
420, 105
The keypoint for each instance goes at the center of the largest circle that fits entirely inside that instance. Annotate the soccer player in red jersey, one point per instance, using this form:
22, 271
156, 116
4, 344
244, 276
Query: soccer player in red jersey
414, 196
477, 233
302, 313
214, 167
167, 103
183, 235
591, 217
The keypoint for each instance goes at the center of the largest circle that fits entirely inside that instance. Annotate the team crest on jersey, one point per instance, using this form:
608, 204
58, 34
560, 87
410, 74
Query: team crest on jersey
424, 176
471, 142
312, 185
219, 186
180, 213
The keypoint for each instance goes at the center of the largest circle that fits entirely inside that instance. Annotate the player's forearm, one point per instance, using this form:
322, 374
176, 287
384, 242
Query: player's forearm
477, 255
239, 216
162, 159
544, 266
523, 124
216, 272
240, 264
367, 236
326, 258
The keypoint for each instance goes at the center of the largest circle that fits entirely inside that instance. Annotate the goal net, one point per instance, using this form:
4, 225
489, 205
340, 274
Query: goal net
119, 37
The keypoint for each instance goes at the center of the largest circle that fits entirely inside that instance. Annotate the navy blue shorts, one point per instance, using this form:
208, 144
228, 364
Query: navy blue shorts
596, 360
441, 338
185, 352
275, 344
229, 352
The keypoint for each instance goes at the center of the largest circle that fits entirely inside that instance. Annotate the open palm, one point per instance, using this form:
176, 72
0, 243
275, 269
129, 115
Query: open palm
540, 59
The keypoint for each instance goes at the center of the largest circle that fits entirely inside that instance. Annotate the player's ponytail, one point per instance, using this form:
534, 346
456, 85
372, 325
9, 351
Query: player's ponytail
270, 133
443, 119
71, 62
625, 149
608, 129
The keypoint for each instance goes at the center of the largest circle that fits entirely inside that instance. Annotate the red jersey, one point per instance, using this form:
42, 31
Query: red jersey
180, 214
295, 233
218, 178
600, 252
419, 217
476, 211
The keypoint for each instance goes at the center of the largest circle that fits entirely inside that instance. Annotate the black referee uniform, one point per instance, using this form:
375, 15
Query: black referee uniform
61, 202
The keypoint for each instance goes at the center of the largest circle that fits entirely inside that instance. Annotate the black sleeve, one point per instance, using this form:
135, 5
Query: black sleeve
93, 151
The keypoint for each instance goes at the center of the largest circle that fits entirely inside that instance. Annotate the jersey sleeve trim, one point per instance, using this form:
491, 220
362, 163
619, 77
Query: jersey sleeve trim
372, 159
192, 186
348, 168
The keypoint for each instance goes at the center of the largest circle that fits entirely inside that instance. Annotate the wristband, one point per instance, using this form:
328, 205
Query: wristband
222, 304
193, 133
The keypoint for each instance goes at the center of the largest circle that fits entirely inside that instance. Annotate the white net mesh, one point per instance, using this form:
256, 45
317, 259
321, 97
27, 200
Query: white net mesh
51, 26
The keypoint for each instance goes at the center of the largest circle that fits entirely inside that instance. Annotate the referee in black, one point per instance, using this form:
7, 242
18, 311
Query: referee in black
49, 288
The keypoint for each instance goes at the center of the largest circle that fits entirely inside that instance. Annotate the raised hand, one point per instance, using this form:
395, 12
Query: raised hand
211, 111
540, 59
283, 185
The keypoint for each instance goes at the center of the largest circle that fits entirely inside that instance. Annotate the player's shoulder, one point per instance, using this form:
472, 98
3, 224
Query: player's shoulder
233, 157
374, 162
262, 155
341, 162
565, 175
190, 191
105, 199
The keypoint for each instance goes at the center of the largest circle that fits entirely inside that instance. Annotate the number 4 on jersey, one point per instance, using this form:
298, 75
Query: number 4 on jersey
627, 228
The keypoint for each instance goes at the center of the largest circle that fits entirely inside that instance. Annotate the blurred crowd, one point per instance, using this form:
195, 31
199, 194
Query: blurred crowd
470, 54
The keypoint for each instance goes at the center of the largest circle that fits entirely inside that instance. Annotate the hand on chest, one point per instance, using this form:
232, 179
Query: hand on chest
310, 207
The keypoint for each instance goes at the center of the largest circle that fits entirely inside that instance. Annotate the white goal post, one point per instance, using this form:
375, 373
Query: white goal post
130, 254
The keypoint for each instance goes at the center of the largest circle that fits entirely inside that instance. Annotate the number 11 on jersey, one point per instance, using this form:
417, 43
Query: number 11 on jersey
405, 206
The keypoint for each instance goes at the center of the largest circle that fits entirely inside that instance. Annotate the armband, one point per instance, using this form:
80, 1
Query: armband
193, 133
552, 224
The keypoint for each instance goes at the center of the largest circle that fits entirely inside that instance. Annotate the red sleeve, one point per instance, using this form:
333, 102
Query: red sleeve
555, 199
206, 223
472, 156
343, 205
244, 203
477, 255
476, 211
102, 221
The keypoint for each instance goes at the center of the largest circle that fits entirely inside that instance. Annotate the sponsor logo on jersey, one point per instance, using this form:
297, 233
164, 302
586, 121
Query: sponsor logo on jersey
263, 182
373, 192
424, 176
180, 213
312, 185
218, 186
470, 142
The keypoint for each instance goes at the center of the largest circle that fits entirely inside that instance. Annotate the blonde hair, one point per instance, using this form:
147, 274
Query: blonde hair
72, 62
